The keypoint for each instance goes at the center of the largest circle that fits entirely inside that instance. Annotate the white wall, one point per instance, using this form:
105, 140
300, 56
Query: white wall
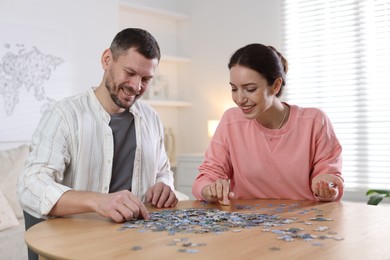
170, 5
89, 26
216, 29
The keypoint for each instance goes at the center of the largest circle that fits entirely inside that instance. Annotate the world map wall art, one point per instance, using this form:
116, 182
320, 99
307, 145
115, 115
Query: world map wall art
35, 71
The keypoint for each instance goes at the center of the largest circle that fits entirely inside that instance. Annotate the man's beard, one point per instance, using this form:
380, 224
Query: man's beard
114, 96
118, 102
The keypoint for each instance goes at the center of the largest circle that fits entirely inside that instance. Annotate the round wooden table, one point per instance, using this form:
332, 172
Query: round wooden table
364, 231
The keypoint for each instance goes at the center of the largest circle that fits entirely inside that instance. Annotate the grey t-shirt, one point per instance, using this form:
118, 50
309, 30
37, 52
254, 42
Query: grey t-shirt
123, 129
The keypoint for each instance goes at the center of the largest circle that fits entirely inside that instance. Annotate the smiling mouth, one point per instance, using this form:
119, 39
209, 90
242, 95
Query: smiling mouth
247, 109
130, 92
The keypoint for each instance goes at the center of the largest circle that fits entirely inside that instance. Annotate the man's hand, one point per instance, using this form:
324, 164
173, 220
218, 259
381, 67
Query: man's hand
326, 186
161, 195
218, 191
121, 206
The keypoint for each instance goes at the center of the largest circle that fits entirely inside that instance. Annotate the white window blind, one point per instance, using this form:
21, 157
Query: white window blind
339, 58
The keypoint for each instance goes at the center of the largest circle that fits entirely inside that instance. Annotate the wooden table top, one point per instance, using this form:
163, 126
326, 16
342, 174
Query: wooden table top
359, 231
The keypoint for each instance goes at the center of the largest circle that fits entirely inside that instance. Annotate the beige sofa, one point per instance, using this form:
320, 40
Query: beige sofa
12, 245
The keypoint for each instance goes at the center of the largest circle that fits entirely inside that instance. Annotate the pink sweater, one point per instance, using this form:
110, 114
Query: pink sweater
265, 163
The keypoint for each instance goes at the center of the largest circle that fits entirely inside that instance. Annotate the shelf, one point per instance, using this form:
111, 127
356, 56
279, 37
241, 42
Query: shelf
166, 103
152, 11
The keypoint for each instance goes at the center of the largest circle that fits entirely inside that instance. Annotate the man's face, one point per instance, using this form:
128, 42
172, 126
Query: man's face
128, 77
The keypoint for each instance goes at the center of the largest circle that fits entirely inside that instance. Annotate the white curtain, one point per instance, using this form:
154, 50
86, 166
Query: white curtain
339, 56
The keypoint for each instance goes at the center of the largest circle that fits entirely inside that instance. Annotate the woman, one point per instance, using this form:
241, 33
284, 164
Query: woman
265, 148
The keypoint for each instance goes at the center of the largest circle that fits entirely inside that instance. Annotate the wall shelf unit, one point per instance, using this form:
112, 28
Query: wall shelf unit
163, 24
164, 93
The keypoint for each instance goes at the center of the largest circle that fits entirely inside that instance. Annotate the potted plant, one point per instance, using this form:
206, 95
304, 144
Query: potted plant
377, 196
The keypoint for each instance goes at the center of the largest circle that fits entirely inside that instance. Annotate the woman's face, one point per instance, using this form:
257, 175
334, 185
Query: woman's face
250, 91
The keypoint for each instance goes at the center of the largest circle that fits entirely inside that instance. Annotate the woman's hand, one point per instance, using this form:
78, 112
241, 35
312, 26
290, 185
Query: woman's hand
326, 186
218, 191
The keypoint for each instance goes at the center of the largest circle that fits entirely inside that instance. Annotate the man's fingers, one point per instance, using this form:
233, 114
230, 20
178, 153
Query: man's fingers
157, 190
163, 196
149, 195
171, 201
144, 212
130, 209
136, 207
116, 216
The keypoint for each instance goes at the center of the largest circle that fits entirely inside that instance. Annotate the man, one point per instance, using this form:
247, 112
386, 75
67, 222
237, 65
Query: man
102, 151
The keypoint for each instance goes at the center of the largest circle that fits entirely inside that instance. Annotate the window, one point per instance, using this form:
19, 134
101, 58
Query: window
339, 57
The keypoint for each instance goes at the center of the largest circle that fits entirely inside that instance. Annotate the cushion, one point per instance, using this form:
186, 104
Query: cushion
11, 166
7, 216
12, 245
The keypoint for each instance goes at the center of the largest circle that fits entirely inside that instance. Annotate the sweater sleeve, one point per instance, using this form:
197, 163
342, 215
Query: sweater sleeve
327, 153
